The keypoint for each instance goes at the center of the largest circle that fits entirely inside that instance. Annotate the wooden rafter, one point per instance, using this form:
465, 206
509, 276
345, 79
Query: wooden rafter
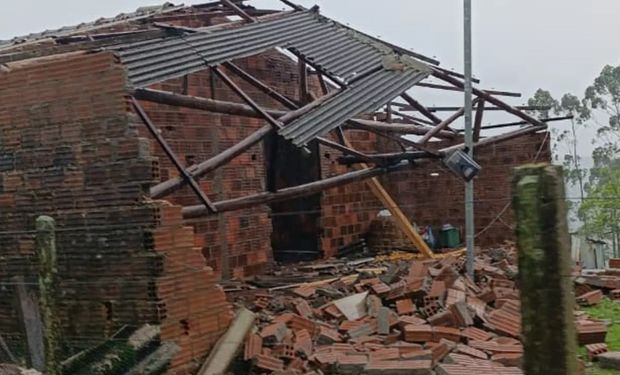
172, 156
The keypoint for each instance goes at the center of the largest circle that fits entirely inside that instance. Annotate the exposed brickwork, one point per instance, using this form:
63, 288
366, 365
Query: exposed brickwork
74, 154
347, 211
70, 148
440, 200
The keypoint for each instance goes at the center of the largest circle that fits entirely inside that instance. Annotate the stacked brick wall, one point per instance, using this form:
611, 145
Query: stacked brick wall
69, 149
194, 312
346, 211
437, 200
237, 243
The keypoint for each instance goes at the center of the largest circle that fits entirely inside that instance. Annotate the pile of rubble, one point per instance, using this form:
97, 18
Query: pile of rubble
385, 315
591, 287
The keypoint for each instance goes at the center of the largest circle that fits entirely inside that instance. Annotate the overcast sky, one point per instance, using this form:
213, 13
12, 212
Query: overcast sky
519, 45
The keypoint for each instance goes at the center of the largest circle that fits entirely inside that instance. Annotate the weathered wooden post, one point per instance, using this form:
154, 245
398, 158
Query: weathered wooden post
549, 340
48, 291
30, 319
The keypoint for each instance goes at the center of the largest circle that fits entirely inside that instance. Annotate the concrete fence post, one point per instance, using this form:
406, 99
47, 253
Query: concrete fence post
45, 245
547, 300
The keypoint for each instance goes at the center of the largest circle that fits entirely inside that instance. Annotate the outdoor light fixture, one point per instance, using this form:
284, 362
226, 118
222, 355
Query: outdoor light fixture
462, 165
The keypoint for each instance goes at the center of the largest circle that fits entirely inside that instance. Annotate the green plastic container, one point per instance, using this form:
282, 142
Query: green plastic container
449, 237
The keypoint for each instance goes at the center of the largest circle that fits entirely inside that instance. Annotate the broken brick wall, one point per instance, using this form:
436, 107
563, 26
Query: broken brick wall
69, 149
437, 200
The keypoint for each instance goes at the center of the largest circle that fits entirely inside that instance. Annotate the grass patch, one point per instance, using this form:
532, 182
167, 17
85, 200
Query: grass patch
606, 310
595, 370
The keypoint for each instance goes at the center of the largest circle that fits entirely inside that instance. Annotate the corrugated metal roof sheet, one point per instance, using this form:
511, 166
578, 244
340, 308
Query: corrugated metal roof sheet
340, 51
375, 71
364, 95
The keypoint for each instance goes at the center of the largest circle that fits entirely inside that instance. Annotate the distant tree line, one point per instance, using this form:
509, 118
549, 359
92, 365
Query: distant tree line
597, 206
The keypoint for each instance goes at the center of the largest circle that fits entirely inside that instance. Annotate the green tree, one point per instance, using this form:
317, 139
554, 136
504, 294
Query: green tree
601, 209
565, 145
601, 104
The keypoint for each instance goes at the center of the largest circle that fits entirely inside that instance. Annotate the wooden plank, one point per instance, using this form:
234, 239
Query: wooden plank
6, 350
228, 345
478, 120
401, 220
31, 323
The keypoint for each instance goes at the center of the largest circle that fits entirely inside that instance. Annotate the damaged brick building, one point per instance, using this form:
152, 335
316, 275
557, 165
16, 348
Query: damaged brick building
96, 120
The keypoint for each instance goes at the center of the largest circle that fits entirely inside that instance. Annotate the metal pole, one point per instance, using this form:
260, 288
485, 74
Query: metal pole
469, 186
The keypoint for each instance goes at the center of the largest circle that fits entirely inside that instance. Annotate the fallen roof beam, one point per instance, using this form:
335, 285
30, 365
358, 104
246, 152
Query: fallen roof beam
402, 221
206, 203
187, 101
304, 96
260, 85
169, 186
293, 5
489, 98
238, 109
441, 126
386, 158
246, 98
452, 88
405, 107
411, 118
519, 123
398, 128
498, 138
404, 141
196, 171
454, 74
422, 109
292, 192
240, 12
478, 120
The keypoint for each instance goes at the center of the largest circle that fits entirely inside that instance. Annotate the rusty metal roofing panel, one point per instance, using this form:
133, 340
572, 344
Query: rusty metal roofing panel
340, 51
367, 94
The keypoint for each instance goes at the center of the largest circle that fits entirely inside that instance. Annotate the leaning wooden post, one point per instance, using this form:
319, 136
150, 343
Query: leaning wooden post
46, 256
549, 339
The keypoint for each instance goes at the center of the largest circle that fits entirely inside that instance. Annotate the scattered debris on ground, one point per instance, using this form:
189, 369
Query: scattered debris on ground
386, 314
597, 292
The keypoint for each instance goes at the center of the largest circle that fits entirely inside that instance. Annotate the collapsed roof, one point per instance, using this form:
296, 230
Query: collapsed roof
365, 73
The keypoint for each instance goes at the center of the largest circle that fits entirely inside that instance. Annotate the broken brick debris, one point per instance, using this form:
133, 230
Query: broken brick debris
590, 332
590, 298
392, 316
253, 347
595, 349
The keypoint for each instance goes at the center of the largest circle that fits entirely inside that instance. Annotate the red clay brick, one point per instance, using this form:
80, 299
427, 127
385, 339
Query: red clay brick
405, 306
253, 347
595, 349
405, 367
421, 333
